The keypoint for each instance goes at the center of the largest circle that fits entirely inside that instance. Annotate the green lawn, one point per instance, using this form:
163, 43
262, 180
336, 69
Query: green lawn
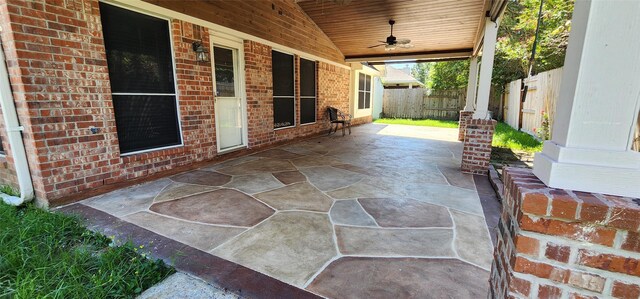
48, 255
505, 136
419, 122
508, 137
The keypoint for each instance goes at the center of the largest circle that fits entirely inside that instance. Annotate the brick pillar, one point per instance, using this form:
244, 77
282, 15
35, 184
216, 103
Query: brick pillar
476, 151
555, 243
465, 116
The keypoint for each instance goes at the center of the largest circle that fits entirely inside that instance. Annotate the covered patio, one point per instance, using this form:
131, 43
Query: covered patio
382, 212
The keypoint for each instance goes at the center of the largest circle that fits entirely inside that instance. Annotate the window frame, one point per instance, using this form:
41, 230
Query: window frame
315, 97
176, 94
295, 91
370, 91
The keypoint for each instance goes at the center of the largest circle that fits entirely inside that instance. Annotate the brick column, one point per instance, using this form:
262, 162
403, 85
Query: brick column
465, 116
555, 243
476, 151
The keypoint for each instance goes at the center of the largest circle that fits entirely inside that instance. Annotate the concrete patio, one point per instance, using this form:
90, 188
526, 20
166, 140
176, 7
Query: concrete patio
384, 212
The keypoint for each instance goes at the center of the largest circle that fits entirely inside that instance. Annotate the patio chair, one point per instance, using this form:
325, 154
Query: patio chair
337, 117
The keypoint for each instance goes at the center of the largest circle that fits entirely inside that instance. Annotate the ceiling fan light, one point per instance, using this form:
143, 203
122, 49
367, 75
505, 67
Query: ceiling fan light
390, 47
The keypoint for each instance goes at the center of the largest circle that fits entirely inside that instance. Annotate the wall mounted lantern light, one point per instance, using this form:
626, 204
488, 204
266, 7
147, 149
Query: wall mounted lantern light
202, 55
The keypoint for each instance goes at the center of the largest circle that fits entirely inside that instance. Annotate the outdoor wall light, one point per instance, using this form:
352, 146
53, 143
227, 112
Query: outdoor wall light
202, 55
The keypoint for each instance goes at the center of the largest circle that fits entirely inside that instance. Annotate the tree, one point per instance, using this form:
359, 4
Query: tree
513, 49
450, 74
517, 33
421, 71
442, 75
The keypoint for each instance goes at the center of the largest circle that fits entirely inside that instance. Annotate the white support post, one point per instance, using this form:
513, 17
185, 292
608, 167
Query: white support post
486, 69
598, 104
472, 86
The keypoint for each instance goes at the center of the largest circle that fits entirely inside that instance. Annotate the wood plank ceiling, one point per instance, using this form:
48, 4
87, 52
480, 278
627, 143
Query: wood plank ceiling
436, 28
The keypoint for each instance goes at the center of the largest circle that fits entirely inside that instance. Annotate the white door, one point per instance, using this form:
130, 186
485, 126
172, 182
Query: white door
229, 99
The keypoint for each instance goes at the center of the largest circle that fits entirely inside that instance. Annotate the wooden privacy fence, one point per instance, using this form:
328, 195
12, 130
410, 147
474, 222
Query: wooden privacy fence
419, 103
542, 95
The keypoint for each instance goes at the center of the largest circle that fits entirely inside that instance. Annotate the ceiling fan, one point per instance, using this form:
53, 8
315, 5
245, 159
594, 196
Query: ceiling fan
392, 42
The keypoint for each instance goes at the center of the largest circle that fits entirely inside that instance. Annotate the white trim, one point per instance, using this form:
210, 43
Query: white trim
237, 48
174, 14
232, 149
486, 69
315, 97
175, 79
14, 137
155, 149
142, 94
364, 111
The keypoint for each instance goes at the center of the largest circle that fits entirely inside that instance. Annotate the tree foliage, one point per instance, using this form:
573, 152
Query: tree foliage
517, 33
513, 49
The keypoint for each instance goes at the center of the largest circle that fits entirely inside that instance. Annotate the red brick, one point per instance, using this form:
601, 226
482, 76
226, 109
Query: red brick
558, 252
625, 217
519, 286
632, 242
593, 209
549, 292
541, 270
609, 262
535, 203
576, 231
587, 281
625, 290
563, 205
526, 245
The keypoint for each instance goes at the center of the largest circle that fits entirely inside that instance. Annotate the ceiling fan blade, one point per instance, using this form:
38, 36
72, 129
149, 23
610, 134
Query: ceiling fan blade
403, 41
376, 46
405, 46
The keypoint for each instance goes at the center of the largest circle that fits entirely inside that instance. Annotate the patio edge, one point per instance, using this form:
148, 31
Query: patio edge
224, 274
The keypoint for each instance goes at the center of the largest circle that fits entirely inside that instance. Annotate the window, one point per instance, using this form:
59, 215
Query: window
141, 72
1, 148
364, 91
283, 90
307, 91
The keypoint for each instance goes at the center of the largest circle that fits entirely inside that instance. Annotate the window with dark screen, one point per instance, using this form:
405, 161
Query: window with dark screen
364, 91
307, 91
141, 73
284, 105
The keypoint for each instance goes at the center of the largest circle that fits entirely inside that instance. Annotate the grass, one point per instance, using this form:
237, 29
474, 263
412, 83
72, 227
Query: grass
419, 122
504, 137
508, 137
49, 255
6, 189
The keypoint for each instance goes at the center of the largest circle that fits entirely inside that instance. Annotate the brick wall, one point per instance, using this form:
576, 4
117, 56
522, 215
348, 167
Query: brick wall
556, 243
476, 150
465, 116
333, 90
57, 63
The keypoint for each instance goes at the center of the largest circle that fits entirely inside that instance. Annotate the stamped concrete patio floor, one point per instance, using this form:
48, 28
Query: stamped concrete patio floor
382, 213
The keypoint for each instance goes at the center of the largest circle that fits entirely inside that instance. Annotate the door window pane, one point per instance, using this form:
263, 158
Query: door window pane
224, 70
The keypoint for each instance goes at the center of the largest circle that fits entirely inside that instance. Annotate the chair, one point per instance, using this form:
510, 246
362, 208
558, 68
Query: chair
337, 117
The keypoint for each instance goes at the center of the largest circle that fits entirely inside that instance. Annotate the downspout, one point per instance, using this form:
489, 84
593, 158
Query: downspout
14, 136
